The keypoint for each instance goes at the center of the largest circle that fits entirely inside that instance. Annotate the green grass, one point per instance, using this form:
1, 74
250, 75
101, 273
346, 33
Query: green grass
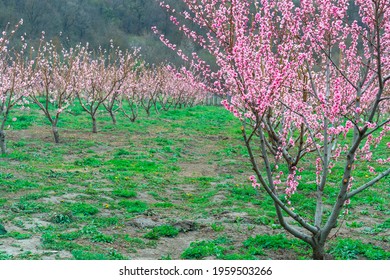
206, 248
79, 196
162, 231
125, 193
259, 244
349, 249
93, 162
85, 255
84, 209
62, 218
18, 235
217, 227
133, 206
5, 256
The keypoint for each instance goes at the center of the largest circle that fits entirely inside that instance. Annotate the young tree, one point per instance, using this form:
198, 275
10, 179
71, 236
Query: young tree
123, 66
311, 88
92, 82
167, 86
148, 88
100, 80
53, 84
178, 88
15, 76
129, 100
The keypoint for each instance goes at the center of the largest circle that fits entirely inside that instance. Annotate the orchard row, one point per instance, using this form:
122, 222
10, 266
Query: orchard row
54, 78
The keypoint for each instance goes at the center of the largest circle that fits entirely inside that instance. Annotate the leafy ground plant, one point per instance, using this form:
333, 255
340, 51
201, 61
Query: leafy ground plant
162, 231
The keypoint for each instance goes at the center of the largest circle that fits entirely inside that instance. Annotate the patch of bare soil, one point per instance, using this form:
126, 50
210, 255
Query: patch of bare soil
32, 245
369, 224
39, 133
194, 169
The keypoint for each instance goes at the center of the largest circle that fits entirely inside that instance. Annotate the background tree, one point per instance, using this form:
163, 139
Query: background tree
53, 83
122, 67
15, 77
100, 78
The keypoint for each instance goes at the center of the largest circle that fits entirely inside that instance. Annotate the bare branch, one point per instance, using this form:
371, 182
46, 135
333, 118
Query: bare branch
270, 191
369, 184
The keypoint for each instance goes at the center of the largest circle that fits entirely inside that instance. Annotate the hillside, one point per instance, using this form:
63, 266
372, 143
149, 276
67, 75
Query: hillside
127, 23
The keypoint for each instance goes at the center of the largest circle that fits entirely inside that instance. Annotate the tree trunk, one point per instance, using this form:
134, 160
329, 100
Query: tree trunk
94, 125
318, 252
113, 118
2, 142
56, 134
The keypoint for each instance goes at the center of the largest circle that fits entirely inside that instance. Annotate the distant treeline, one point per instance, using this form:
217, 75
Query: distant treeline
127, 22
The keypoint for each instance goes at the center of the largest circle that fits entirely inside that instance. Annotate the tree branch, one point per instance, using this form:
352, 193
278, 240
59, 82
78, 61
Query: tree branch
271, 193
369, 184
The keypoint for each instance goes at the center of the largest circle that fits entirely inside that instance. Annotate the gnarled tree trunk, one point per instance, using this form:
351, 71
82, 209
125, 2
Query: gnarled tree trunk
2, 142
113, 118
318, 249
55, 133
94, 125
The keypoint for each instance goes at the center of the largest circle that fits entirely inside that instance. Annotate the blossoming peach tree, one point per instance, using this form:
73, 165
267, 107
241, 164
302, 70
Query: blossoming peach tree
309, 80
52, 86
15, 76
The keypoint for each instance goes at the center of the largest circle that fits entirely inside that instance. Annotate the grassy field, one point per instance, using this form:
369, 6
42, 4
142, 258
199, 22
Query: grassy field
169, 186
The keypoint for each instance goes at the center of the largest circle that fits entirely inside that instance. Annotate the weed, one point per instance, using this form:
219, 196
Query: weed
29, 256
84, 209
349, 249
5, 256
19, 184
114, 255
89, 230
164, 205
6, 176
125, 193
263, 220
70, 235
166, 258
62, 218
135, 242
162, 231
18, 223
29, 207
238, 257
134, 206
103, 238
103, 222
92, 162
121, 152
3, 201
32, 196
18, 235
256, 245
217, 227
201, 249
355, 224
86, 255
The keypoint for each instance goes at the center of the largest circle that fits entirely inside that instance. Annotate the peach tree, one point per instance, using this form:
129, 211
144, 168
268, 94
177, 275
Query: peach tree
309, 80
